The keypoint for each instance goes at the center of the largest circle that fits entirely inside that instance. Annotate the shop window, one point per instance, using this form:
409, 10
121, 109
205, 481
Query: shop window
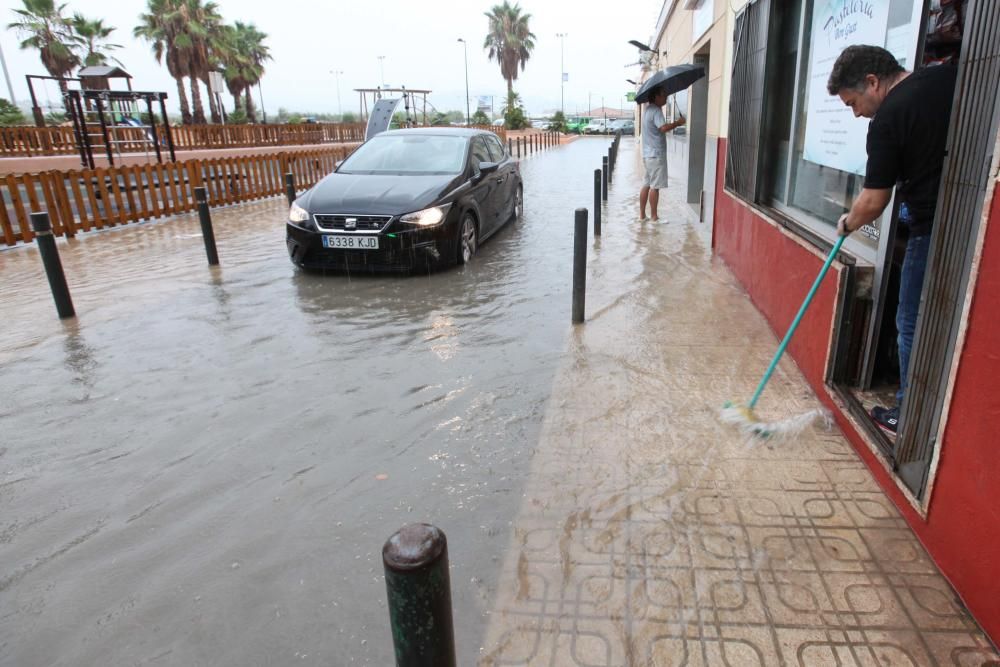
819, 146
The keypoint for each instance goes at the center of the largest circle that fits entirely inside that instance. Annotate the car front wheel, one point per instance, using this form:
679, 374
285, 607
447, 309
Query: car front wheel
468, 239
519, 202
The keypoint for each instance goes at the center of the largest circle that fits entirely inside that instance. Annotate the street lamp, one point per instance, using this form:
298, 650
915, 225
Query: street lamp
465, 48
260, 91
562, 73
6, 75
337, 73
381, 69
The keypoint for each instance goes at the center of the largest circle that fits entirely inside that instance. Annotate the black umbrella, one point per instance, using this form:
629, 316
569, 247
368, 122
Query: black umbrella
671, 80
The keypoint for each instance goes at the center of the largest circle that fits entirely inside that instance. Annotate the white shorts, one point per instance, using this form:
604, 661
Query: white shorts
656, 172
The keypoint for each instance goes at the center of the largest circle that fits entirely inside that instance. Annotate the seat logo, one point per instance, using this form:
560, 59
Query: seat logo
350, 223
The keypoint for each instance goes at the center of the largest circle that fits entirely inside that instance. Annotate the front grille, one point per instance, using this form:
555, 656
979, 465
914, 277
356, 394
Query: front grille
330, 222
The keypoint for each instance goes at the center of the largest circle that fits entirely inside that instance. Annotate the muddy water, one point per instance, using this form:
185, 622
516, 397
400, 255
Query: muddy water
202, 468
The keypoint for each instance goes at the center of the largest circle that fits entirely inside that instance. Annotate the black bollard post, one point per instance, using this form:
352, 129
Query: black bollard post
519, 148
290, 187
611, 165
604, 179
579, 264
510, 147
207, 233
46, 242
597, 202
415, 560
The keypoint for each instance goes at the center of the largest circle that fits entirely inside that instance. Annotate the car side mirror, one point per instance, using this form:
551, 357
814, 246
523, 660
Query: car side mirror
488, 167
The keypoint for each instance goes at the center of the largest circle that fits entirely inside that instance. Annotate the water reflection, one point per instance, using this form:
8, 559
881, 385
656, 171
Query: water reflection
79, 359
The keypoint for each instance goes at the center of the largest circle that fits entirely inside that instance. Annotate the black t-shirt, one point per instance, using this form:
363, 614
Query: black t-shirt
906, 141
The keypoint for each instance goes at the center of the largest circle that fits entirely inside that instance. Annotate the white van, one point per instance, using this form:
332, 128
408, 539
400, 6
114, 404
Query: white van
596, 126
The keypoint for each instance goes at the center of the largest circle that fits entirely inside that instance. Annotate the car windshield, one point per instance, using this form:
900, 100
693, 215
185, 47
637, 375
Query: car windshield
407, 154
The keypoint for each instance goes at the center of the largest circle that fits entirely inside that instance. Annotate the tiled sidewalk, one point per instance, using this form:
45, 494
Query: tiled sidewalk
652, 535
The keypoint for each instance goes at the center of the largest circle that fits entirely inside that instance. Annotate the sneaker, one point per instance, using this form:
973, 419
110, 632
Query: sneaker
886, 418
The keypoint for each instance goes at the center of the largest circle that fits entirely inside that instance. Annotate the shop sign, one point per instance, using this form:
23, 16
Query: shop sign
834, 137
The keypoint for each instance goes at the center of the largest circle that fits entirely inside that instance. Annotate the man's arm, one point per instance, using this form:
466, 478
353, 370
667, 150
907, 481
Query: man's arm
866, 209
666, 127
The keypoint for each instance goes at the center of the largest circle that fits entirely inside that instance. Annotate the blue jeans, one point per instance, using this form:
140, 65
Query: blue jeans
910, 284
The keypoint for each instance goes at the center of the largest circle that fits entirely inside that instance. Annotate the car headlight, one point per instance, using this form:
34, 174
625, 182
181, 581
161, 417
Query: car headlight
427, 217
297, 214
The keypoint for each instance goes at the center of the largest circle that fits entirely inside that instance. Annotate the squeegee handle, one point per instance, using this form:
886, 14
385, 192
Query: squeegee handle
795, 322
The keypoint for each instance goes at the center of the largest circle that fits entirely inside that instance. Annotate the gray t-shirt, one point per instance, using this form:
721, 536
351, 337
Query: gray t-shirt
654, 142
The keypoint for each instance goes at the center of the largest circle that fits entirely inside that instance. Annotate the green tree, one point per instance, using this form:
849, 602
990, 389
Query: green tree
90, 34
348, 117
243, 62
163, 27
513, 113
237, 117
480, 118
44, 27
509, 40
182, 32
558, 122
202, 23
10, 114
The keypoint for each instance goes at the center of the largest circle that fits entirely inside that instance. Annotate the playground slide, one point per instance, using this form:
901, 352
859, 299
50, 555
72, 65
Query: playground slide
132, 121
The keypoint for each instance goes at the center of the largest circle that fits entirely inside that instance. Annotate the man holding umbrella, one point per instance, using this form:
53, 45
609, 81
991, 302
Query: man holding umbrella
654, 152
653, 93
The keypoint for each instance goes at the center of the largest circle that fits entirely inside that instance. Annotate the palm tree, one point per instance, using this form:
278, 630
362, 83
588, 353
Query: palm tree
88, 34
218, 53
509, 40
163, 27
46, 29
202, 22
244, 63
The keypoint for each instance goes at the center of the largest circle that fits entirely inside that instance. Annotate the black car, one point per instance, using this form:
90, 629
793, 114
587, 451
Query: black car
407, 199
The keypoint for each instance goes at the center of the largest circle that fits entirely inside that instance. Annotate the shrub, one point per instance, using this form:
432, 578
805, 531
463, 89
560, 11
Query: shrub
10, 114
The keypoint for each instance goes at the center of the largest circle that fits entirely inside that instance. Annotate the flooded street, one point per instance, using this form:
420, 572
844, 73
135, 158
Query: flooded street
202, 469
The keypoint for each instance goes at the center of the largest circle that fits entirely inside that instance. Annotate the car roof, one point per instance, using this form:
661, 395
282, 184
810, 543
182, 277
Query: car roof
441, 131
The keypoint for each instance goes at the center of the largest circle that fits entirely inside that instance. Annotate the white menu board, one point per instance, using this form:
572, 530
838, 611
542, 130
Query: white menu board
834, 137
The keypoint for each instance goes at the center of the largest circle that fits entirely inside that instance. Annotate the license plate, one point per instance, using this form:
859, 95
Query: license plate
347, 242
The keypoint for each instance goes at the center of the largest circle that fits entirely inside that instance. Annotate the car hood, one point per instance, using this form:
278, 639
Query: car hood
378, 194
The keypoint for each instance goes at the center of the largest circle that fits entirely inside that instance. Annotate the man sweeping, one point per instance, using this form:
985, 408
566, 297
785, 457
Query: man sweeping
909, 114
654, 153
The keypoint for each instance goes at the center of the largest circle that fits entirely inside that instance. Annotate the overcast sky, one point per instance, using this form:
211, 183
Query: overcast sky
308, 40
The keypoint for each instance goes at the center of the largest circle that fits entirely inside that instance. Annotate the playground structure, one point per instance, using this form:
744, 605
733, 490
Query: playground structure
112, 119
384, 108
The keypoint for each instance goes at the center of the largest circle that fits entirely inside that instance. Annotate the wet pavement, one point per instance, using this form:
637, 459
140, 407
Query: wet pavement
202, 468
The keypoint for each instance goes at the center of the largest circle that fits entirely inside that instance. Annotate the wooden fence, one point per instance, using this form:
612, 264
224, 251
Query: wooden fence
93, 199
32, 141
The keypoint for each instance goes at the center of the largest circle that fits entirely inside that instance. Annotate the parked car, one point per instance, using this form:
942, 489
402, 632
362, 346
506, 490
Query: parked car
407, 199
576, 125
596, 126
623, 125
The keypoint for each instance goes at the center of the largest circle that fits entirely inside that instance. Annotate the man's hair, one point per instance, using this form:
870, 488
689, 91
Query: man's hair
857, 62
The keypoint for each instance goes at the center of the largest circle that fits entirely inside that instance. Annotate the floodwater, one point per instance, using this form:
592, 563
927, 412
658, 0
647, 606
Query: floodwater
201, 469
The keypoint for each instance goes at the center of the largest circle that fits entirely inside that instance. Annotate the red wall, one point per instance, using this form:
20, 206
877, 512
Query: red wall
962, 530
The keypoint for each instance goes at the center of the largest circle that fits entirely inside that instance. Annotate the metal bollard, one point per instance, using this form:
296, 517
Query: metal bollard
418, 586
611, 165
519, 148
604, 178
46, 242
510, 147
290, 187
579, 264
207, 233
597, 202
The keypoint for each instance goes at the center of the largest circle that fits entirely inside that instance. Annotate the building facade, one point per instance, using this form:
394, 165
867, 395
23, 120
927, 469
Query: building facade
783, 160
